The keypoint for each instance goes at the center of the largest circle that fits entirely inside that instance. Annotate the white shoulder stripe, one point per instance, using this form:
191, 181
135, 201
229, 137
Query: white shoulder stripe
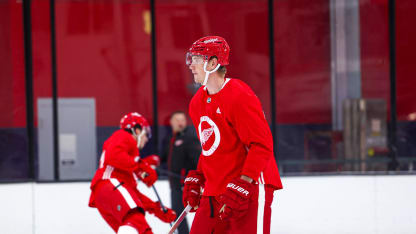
102, 159
107, 173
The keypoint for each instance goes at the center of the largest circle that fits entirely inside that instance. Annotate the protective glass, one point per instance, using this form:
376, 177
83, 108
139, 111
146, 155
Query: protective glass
195, 59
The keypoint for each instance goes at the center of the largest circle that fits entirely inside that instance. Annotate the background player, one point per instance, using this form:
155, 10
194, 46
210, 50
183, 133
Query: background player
114, 186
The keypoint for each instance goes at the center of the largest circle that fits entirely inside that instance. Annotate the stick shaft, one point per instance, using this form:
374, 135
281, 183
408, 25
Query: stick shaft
158, 198
180, 219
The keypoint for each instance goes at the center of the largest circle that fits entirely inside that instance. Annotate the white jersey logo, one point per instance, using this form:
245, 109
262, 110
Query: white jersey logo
206, 134
211, 40
218, 111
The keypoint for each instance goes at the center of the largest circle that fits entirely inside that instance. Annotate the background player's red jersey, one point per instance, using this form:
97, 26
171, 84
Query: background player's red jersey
235, 137
118, 160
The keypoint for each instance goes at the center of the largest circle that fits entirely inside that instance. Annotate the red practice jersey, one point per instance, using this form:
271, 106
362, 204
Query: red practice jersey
118, 159
235, 137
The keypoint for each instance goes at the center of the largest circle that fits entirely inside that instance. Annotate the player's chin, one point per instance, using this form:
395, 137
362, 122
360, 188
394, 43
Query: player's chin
196, 80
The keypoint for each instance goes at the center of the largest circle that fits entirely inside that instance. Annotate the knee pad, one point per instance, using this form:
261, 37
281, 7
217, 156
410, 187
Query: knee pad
127, 229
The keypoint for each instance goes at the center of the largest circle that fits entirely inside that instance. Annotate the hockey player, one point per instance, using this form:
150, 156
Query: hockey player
114, 186
236, 171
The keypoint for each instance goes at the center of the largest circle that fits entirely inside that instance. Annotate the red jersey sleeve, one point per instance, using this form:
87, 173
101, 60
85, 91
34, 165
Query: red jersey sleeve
122, 154
250, 123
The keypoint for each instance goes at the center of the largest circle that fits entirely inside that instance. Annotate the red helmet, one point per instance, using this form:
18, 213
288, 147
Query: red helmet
132, 119
208, 47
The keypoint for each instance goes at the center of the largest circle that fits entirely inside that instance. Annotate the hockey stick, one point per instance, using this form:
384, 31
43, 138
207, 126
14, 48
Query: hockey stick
180, 219
160, 202
144, 175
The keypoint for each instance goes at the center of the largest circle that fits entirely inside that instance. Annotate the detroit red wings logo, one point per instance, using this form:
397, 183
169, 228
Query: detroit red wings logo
209, 135
206, 134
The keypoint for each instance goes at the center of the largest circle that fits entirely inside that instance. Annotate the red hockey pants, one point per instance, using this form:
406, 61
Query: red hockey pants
256, 220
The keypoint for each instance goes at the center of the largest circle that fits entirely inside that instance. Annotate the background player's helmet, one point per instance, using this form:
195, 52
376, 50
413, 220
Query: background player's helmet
132, 119
207, 47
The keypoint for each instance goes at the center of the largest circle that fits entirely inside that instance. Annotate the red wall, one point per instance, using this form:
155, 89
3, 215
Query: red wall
406, 60
375, 59
103, 51
6, 72
12, 76
179, 24
302, 52
41, 47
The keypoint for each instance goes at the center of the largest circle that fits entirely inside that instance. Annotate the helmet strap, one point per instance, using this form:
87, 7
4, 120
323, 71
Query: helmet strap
133, 132
209, 72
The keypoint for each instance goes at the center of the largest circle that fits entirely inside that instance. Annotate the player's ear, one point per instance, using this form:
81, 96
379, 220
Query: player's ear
213, 61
